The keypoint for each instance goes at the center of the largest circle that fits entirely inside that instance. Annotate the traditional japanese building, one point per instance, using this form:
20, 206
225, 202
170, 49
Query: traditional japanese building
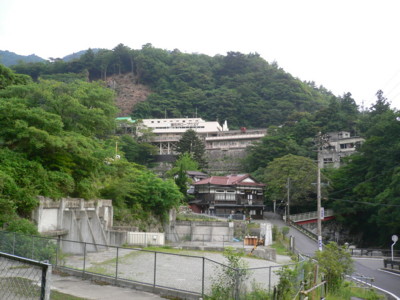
229, 195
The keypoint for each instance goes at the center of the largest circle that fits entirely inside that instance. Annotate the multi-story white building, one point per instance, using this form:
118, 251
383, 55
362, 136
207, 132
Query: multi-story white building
341, 144
167, 132
224, 148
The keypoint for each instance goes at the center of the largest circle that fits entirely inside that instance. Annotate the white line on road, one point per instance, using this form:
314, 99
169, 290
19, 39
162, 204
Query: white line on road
378, 288
389, 272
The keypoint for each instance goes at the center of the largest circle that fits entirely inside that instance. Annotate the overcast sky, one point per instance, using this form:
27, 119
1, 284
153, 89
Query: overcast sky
345, 45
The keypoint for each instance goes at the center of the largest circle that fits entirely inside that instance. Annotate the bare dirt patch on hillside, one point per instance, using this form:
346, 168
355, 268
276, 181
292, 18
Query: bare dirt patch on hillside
129, 93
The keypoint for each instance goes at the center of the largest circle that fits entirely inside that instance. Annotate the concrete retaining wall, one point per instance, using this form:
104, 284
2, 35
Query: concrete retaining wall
202, 231
75, 220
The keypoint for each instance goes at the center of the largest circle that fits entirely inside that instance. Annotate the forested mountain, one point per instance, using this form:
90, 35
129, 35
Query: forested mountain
56, 140
51, 128
8, 58
243, 89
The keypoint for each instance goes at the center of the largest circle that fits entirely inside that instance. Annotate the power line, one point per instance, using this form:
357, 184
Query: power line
367, 180
363, 202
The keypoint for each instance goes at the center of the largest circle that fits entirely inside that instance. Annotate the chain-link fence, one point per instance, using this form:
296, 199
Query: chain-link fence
23, 279
188, 273
200, 240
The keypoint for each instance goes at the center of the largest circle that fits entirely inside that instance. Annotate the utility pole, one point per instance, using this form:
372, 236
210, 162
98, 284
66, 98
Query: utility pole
288, 201
322, 141
319, 225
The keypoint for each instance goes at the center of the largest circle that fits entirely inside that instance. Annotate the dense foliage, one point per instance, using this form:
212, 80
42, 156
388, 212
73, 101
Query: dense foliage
191, 143
60, 130
292, 179
366, 191
243, 89
56, 141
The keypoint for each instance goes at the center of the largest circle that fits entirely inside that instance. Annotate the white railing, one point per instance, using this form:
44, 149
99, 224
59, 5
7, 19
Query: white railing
310, 215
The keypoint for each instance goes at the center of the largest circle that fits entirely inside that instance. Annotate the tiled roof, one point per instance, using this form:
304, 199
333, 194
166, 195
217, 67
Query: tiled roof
228, 180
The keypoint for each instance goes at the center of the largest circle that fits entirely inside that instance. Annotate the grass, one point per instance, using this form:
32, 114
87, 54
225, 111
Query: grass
280, 248
347, 291
55, 295
23, 287
195, 218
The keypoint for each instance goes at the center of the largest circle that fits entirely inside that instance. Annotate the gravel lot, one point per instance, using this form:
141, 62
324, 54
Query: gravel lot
183, 272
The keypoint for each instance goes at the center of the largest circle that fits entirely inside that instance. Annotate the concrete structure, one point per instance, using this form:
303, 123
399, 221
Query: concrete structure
169, 131
200, 231
341, 144
224, 148
76, 220
228, 195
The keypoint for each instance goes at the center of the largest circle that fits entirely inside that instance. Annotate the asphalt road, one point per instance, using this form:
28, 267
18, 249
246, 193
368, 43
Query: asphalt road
371, 267
368, 267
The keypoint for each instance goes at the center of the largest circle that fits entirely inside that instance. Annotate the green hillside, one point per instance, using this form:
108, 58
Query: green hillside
243, 89
8, 58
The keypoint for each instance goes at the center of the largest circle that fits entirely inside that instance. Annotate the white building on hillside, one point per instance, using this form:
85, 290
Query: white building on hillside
341, 144
169, 131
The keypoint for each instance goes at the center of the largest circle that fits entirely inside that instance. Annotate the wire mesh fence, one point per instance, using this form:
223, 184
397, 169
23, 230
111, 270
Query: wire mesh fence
188, 273
23, 279
200, 240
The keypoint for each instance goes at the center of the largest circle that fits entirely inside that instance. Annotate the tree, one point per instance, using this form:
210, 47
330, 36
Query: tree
87, 108
365, 190
183, 164
192, 144
140, 153
295, 175
141, 191
8, 77
274, 145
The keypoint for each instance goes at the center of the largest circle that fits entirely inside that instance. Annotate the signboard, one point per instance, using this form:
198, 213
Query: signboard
322, 213
320, 243
394, 239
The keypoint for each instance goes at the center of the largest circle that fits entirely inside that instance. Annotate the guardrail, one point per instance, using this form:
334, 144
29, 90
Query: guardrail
310, 215
373, 252
392, 263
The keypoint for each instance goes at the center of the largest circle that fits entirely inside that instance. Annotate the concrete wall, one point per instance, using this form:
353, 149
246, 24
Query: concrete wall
201, 231
75, 219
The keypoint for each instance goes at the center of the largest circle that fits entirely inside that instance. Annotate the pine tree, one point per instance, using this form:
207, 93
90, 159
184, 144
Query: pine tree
192, 144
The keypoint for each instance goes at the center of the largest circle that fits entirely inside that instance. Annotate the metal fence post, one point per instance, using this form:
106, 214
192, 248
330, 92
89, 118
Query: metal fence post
84, 259
236, 292
13, 247
58, 249
202, 279
155, 268
116, 265
269, 279
33, 246
45, 285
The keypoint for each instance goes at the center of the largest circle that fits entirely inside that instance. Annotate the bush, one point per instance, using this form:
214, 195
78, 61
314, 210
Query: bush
28, 246
335, 262
23, 226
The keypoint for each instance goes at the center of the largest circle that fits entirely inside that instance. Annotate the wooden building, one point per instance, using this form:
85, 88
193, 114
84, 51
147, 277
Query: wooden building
229, 195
